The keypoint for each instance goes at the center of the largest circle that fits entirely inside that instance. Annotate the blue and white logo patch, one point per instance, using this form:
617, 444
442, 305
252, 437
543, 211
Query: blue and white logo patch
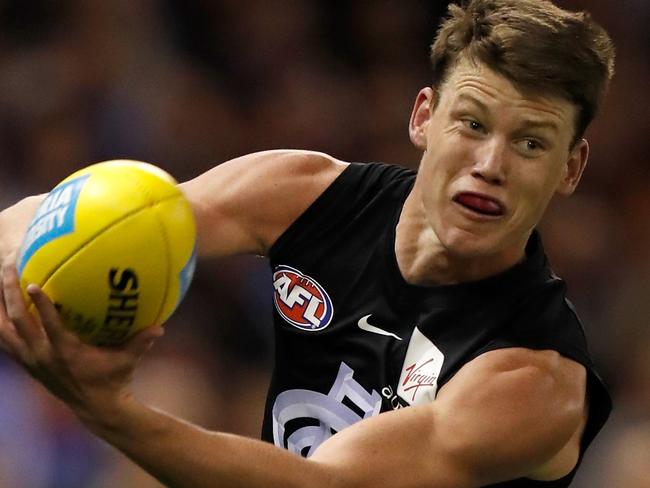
53, 219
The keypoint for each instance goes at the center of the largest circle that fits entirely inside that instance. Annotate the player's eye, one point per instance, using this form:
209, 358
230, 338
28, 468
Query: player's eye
530, 146
533, 145
473, 125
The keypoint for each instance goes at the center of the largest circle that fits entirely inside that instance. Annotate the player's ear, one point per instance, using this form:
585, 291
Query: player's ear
422, 110
574, 167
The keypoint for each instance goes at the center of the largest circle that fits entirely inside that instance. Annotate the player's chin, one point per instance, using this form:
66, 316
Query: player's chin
473, 242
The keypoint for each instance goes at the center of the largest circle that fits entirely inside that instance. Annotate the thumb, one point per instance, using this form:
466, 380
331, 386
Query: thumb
142, 341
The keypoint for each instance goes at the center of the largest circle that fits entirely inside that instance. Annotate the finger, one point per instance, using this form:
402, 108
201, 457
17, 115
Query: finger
50, 318
27, 327
12, 345
9, 340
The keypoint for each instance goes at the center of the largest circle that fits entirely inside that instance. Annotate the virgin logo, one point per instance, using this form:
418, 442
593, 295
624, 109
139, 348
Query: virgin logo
418, 376
418, 382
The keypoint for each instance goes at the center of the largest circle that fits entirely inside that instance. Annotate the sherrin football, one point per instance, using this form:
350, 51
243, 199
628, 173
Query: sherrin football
113, 246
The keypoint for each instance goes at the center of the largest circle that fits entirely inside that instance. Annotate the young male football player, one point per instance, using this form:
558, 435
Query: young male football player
421, 337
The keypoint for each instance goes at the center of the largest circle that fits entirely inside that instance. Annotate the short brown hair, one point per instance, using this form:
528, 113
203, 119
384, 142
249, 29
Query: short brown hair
535, 44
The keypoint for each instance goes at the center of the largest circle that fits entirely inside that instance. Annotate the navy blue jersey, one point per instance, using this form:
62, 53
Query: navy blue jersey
354, 339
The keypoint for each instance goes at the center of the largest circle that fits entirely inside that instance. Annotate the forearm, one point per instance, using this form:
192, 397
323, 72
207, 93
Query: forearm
180, 454
373, 452
13, 224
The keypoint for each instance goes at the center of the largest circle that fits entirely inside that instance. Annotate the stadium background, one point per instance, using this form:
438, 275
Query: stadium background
189, 84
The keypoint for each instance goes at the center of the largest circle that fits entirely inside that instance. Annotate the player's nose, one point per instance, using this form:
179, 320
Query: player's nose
490, 162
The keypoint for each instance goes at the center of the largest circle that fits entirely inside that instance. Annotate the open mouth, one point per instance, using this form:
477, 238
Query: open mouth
480, 204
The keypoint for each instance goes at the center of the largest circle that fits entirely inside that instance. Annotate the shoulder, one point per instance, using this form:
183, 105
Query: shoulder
547, 368
265, 172
535, 397
244, 204
526, 375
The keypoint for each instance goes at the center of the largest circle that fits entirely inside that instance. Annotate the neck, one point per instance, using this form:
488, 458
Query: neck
424, 260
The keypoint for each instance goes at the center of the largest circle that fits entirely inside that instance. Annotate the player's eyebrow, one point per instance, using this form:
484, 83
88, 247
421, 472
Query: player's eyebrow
540, 124
527, 124
468, 98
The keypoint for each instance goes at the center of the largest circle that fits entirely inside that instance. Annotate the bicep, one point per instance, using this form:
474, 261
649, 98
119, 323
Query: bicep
396, 449
242, 206
492, 422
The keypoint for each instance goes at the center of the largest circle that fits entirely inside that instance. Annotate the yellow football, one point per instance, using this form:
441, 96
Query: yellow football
113, 246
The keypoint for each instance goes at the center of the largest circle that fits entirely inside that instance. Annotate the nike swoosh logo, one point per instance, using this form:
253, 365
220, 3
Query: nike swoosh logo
364, 325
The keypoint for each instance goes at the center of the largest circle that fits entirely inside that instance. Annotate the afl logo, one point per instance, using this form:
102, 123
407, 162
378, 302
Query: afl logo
301, 300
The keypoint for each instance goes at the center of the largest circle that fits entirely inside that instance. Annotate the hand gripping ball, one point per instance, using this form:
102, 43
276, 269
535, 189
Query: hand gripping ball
113, 246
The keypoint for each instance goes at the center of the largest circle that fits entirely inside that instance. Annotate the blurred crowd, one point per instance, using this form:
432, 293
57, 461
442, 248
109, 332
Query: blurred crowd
187, 84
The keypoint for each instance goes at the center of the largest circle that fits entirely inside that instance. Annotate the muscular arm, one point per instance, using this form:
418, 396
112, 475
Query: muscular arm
243, 205
506, 415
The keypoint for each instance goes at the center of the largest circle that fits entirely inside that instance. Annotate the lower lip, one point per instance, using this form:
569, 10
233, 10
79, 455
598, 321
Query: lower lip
478, 217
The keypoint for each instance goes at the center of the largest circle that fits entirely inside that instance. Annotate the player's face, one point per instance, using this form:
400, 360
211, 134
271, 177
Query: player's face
493, 158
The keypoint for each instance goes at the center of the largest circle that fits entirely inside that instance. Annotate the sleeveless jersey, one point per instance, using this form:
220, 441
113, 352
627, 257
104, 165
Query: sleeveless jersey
354, 339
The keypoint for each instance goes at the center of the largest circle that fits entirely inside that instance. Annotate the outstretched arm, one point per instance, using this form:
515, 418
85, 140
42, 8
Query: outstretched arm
241, 206
505, 415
